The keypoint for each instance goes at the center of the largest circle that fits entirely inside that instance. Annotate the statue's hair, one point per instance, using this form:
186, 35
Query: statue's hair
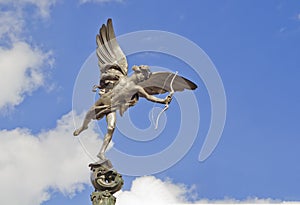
141, 68
144, 69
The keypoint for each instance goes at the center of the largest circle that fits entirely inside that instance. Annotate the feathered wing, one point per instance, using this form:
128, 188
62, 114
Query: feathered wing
111, 59
160, 82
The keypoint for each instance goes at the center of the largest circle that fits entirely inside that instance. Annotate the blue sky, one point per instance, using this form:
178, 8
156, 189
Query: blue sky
254, 46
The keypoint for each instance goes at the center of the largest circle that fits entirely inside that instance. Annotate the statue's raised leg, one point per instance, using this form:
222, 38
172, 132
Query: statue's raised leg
95, 112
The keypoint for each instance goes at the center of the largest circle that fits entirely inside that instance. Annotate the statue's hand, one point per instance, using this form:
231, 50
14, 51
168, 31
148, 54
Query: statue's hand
168, 99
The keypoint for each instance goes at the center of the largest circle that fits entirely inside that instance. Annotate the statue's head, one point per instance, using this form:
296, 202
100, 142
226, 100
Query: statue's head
142, 72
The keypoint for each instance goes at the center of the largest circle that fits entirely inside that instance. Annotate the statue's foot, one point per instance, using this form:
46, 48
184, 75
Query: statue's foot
77, 132
103, 162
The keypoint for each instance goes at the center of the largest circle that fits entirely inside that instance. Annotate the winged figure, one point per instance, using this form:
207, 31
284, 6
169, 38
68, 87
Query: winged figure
118, 91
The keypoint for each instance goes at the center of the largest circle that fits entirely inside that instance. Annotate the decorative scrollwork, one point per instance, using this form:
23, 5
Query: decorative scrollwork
105, 178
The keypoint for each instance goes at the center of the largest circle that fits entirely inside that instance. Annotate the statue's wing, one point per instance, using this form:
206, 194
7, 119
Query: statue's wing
160, 82
110, 55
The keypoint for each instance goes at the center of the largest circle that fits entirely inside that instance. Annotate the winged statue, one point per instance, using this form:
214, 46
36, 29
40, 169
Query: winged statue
118, 91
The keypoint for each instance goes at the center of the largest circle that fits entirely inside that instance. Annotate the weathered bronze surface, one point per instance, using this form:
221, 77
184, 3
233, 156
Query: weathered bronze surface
105, 178
106, 182
118, 91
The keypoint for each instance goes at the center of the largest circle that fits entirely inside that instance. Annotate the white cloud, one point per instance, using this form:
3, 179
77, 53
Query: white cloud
250, 200
33, 164
22, 64
21, 72
98, 1
150, 190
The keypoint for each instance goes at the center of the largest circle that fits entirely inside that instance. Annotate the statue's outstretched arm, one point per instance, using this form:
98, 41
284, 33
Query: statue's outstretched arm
153, 98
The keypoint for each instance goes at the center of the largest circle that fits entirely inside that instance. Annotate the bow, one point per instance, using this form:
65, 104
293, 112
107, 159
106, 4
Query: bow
167, 103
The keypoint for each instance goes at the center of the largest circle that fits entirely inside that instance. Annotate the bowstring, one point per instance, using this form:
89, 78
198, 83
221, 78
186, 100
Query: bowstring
166, 105
152, 114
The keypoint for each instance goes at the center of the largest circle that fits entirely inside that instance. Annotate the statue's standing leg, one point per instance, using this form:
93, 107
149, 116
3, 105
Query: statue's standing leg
111, 124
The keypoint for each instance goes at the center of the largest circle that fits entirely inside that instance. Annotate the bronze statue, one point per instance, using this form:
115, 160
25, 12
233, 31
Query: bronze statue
119, 91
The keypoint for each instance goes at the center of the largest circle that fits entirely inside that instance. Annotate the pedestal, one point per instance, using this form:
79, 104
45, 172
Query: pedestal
106, 182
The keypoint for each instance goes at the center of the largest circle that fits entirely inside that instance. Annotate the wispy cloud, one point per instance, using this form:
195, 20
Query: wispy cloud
282, 29
43, 6
11, 25
291, 28
99, 1
32, 166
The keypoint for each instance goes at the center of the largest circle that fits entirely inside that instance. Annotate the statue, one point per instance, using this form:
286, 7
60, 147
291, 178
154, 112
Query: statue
118, 91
